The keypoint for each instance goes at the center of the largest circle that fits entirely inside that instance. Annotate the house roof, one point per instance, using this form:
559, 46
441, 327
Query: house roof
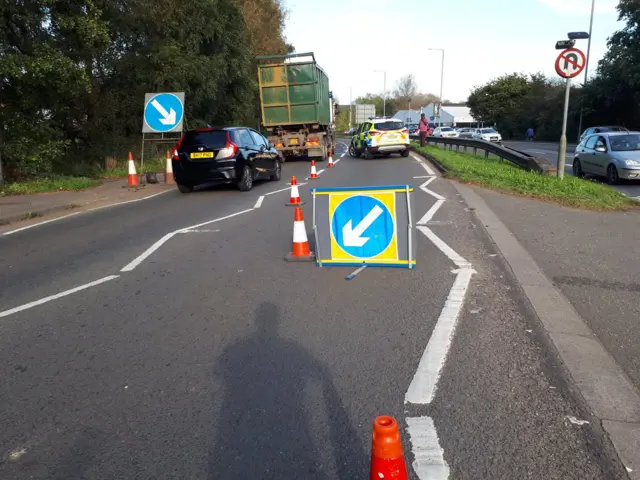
459, 114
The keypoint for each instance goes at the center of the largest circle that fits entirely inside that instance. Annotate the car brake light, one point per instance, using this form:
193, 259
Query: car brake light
405, 130
373, 133
229, 150
175, 155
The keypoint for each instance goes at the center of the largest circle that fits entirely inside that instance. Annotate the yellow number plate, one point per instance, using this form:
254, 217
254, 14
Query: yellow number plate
202, 155
293, 141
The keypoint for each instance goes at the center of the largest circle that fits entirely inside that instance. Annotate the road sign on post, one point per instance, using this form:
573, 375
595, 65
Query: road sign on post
163, 112
370, 226
570, 63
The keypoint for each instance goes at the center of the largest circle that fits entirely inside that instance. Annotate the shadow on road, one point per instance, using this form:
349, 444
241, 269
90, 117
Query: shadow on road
264, 431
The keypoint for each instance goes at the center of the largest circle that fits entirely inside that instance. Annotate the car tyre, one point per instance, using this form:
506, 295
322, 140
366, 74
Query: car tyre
185, 188
353, 152
367, 154
612, 175
577, 169
277, 175
246, 179
405, 153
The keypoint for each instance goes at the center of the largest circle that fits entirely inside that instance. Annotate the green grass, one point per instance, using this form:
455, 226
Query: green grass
505, 177
51, 184
155, 165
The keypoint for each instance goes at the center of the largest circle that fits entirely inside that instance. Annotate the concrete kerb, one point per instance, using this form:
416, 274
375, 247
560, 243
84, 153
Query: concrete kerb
592, 374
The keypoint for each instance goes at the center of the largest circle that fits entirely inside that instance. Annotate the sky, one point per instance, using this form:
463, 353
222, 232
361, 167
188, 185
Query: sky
482, 39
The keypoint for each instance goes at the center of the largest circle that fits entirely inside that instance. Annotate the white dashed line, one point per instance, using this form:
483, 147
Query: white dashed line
259, 202
56, 296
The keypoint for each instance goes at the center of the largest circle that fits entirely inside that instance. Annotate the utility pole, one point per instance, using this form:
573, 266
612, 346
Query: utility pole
586, 68
441, 81
350, 105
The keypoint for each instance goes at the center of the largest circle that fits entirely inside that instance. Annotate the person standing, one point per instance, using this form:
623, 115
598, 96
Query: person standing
529, 134
423, 127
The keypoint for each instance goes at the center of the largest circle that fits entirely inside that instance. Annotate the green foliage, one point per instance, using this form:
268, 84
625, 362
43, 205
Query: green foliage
502, 176
73, 73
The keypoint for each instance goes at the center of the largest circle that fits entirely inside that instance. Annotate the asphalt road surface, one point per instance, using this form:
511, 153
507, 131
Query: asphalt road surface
550, 152
168, 339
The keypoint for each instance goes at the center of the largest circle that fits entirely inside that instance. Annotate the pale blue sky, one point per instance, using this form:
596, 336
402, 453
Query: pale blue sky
482, 39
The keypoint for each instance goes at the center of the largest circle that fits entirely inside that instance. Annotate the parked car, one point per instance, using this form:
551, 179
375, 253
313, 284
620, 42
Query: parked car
413, 128
237, 155
466, 132
380, 136
614, 155
487, 134
607, 128
445, 132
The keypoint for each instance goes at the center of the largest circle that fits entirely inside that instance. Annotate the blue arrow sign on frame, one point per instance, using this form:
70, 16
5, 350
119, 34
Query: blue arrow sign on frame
363, 226
164, 112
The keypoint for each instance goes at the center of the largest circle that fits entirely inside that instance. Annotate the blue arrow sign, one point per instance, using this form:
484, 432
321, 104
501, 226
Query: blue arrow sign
362, 226
163, 112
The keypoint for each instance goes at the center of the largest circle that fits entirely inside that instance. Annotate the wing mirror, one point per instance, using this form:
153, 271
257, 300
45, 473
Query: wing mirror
601, 149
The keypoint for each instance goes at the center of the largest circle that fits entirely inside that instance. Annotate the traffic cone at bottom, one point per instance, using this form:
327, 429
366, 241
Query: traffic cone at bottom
387, 459
168, 173
300, 251
295, 194
133, 180
330, 161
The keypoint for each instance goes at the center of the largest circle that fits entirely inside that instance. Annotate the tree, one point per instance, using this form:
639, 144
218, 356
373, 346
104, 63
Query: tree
406, 90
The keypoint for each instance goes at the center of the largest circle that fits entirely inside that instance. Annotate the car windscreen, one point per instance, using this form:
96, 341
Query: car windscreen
386, 126
625, 143
488, 130
212, 139
446, 129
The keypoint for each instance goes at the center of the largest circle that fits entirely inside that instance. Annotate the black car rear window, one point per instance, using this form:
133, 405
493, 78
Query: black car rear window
213, 139
384, 126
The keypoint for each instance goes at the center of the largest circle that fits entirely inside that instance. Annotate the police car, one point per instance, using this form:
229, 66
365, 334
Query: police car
380, 136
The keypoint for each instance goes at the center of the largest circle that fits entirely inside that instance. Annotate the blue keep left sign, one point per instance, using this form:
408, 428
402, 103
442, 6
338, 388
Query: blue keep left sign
363, 226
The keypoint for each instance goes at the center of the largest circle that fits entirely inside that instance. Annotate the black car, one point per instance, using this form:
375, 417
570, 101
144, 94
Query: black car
237, 155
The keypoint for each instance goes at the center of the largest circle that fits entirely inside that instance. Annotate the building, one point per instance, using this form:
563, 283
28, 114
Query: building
450, 116
408, 117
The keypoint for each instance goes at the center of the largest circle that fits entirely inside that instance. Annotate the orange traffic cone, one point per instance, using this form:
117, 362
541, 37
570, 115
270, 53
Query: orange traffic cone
387, 459
300, 251
295, 194
330, 162
134, 180
313, 170
168, 173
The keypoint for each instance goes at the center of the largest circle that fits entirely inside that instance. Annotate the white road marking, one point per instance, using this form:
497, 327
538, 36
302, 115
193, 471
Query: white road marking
259, 202
353, 274
282, 189
337, 160
423, 176
429, 461
141, 258
56, 296
85, 211
320, 171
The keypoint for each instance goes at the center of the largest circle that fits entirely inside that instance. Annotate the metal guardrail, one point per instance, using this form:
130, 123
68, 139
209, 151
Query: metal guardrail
520, 159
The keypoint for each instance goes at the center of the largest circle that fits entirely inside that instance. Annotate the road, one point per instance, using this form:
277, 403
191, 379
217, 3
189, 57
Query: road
168, 339
550, 152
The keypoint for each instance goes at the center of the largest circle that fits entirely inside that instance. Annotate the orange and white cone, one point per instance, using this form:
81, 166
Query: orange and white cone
300, 251
295, 201
134, 180
314, 174
330, 162
168, 173
387, 458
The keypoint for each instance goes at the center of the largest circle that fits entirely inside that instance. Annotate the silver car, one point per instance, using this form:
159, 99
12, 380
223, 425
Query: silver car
614, 155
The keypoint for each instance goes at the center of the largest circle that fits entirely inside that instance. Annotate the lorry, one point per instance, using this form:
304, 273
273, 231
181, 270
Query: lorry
297, 108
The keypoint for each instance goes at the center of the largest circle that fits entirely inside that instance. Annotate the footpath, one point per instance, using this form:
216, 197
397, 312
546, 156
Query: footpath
580, 272
15, 208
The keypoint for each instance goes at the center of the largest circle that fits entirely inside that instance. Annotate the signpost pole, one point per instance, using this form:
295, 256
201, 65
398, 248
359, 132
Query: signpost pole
562, 149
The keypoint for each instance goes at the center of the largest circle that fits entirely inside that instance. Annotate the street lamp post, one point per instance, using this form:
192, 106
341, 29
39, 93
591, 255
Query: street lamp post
384, 92
586, 67
350, 105
441, 79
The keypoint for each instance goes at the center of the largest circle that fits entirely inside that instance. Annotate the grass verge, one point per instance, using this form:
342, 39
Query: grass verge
504, 177
51, 184
156, 165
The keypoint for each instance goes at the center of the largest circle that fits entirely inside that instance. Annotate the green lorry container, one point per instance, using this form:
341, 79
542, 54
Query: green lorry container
293, 93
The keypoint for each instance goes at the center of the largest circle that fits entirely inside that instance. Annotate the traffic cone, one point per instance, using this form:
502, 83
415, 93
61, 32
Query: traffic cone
313, 170
387, 459
168, 173
300, 251
295, 194
134, 180
330, 162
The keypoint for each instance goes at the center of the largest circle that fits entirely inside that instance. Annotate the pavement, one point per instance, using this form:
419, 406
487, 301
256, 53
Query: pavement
168, 339
549, 151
